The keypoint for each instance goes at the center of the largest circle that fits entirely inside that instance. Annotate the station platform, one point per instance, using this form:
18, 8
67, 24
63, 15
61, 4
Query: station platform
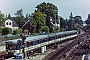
38, 56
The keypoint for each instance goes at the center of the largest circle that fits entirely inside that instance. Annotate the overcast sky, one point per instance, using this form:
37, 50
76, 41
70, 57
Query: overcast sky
65, 7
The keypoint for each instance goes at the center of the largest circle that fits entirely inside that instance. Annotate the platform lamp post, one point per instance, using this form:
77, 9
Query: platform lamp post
55, 24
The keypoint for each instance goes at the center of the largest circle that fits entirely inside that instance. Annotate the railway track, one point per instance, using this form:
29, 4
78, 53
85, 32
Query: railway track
79, 53
76, 55
61, 53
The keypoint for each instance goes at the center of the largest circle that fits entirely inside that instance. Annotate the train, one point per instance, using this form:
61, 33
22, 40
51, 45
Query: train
33, 42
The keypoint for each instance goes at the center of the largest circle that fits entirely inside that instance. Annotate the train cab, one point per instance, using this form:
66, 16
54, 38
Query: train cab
13, 46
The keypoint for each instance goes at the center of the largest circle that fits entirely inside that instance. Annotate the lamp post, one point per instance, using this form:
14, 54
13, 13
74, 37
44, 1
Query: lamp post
55, 25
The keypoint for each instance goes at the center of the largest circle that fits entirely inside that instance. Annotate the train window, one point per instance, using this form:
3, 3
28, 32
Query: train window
63, 35
10, 46
59, 36
41, 40
45, 39
50, 38
67, 34
32, 43
14, 46
37, 41
18, 47
7, 46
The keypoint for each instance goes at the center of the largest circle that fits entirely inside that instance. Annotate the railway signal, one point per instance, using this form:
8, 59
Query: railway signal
23, 37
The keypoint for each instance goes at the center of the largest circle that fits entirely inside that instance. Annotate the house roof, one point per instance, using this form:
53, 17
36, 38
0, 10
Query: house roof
14, 23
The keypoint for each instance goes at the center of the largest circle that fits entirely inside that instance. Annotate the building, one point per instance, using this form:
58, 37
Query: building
53, 22
11, 24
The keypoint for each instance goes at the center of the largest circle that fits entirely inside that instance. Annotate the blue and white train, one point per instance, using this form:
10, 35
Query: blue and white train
34, 42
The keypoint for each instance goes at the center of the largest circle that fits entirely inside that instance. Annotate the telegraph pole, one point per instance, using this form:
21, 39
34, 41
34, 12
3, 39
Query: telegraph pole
55, 25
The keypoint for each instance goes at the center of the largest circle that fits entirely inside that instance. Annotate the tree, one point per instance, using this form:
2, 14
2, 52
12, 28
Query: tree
62, 22
38, 19
78, 20
87, 27
19, 31
9, 16
49, 10
20, 19
6, 31
1, 18
88, 19
44, 29
71, 16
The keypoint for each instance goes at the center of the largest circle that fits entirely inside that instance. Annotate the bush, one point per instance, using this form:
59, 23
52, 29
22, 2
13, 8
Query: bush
57, 29
62, 29
19, 31
0, 30
44, 29
6, 31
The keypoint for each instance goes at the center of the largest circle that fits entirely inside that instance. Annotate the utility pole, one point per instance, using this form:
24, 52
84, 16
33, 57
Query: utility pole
55, 25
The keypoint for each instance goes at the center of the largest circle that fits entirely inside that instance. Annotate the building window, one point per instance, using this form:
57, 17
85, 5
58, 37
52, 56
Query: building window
7, 23
10, 23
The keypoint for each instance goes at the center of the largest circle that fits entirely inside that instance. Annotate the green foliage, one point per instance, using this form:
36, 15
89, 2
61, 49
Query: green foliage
57, 29
20, 19
57, 21
44, 29
38, 20
78, 20
62, 22
0, 30
49, 10
88, 19
9, 16
19, 31
1, 18
62, 29
6, 31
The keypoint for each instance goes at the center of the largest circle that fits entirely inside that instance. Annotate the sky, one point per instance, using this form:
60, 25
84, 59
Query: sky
65, 7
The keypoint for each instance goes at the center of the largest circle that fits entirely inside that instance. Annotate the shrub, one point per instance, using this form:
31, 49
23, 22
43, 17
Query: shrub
19, 31
6, 31
0, 31
44, 29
